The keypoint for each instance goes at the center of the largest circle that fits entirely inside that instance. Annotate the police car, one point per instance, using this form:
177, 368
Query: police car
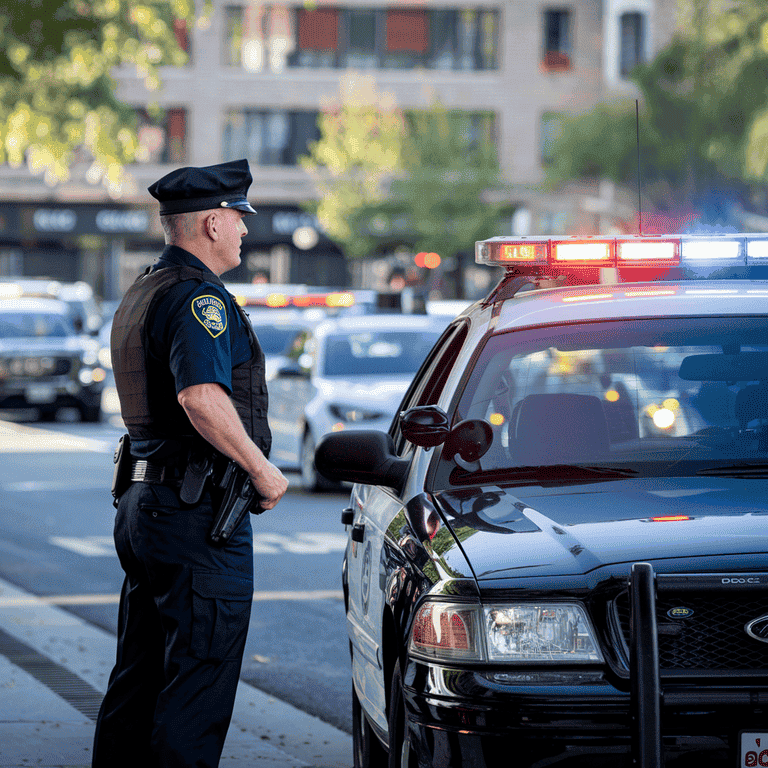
558, 553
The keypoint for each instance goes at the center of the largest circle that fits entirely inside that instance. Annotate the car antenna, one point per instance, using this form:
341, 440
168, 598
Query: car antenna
639, 198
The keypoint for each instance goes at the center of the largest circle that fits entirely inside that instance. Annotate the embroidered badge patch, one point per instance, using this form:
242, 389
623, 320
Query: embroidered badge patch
211, 313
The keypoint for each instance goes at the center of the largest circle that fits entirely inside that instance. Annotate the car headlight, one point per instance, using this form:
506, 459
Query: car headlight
557, 633
352, 413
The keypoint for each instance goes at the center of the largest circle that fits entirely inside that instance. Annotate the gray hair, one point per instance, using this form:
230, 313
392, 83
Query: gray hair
178, 226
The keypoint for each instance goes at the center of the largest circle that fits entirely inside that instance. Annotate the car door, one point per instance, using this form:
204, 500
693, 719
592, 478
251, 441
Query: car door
289, 392
372, 554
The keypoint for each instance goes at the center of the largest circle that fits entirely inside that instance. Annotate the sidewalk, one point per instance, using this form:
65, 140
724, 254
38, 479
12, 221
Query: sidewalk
53, 672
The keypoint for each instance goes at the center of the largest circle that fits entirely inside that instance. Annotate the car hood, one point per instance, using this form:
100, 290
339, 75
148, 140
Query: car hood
536, 532
37, 345
370, 391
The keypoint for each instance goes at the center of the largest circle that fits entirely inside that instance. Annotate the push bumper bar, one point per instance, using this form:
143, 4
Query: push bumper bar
646, 694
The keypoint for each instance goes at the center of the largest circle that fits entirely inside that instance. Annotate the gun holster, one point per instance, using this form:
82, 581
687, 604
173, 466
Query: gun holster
121, 476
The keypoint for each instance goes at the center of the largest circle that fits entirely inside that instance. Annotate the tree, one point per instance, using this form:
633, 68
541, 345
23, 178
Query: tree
451, 190
703, 119
359, 150
57, 96
388, 178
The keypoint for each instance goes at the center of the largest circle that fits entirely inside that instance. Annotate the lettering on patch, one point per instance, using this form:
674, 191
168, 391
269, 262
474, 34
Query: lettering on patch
211, 313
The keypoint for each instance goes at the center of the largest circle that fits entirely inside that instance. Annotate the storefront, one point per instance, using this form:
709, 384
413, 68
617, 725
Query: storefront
107, 246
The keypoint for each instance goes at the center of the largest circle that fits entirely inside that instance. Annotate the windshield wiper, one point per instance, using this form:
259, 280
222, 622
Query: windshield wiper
739, 470
544, 475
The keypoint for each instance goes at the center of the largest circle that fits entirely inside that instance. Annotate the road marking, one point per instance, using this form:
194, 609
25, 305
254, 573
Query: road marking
300, 543
259, 596
16, 438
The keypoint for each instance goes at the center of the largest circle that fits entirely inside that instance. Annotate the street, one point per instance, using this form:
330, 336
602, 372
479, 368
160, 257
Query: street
56, 521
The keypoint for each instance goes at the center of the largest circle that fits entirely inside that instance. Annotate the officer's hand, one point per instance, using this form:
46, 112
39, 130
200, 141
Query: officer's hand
270, 485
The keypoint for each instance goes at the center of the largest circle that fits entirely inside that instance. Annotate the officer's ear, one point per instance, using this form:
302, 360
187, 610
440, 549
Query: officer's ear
211, 224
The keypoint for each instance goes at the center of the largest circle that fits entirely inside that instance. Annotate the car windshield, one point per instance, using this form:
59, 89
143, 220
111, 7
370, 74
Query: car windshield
372, 353
275, 339
20, 325
645, 396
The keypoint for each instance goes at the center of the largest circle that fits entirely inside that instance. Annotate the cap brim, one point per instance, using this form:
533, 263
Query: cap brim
245, 207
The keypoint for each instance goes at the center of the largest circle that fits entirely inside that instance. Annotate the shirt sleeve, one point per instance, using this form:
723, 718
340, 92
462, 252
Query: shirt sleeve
200, 339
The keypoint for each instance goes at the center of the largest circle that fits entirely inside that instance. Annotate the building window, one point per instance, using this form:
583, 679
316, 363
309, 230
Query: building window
258, 38
162, 136
557, 40
551, 130
397, 38
362, 28
269, 137
318, 37
632, 31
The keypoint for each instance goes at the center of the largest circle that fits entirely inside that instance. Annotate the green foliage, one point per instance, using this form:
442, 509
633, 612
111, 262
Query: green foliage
389, 178
703, 115
450, 167
359, 150
56, 90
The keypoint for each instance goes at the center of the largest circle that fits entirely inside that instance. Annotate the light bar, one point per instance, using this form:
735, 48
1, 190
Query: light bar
597, 253
631, 251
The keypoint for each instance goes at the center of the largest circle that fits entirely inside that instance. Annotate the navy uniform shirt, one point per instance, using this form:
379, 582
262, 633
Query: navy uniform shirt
197, 335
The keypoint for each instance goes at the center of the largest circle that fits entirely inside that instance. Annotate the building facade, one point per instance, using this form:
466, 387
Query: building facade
258, 75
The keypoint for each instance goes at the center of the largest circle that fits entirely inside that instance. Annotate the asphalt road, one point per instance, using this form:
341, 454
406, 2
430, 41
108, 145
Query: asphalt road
56, 521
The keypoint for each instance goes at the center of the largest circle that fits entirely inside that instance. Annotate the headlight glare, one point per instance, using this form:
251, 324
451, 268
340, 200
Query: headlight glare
555, 632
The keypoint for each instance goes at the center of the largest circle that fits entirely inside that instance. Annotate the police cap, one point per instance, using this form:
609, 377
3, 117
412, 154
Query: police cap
200, 189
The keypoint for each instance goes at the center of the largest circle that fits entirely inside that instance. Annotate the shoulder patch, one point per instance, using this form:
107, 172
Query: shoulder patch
211, 313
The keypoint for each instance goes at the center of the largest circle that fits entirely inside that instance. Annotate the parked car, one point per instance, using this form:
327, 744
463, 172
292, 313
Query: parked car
349, 372
557, 551
45, 363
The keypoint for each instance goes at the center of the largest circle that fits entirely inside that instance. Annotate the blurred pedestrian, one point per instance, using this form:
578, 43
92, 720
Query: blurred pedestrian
190, 375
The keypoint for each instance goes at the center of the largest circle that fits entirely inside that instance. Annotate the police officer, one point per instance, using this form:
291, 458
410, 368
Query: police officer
190, 376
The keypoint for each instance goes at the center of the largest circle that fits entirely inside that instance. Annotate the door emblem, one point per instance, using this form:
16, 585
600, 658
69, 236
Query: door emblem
365, 585
758, 628
680, 612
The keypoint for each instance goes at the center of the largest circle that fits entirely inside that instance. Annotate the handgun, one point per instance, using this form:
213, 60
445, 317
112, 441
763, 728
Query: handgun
239, 499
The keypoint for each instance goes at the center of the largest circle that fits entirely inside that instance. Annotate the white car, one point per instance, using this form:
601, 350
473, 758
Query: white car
351, 372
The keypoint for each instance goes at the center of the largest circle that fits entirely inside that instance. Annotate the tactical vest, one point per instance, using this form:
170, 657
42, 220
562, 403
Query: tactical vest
153, 412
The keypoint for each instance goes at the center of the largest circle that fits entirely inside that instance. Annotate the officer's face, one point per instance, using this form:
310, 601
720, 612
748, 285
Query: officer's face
232, 232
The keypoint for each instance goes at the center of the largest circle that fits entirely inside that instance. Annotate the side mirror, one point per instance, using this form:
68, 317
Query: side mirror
292, 370
468, 441
365, 456
425, 425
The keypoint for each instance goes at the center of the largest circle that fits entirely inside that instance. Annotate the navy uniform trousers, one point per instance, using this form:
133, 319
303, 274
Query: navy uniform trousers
185, 608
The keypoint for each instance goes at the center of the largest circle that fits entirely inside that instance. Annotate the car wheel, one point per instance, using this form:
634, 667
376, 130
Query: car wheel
90, 413
401, 752
366, 748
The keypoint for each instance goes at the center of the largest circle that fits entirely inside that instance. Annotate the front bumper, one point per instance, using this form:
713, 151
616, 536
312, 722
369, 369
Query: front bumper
460, 717
49, 394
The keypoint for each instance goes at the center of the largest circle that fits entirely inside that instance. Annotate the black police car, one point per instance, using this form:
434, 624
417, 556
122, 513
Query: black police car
558, 554
44, 363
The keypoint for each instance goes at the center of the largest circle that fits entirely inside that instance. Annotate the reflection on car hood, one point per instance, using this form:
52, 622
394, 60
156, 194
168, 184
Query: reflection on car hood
45, 345
534, 532
369, 391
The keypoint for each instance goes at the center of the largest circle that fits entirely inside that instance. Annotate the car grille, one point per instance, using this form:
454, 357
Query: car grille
712, 639
30, 367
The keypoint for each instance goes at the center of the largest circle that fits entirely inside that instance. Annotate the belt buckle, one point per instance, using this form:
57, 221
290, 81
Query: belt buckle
144, 471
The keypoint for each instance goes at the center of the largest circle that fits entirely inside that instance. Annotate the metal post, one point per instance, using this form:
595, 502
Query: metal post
644, 669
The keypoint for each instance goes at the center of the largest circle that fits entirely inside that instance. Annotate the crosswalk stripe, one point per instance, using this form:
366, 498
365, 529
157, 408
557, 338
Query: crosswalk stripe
259, 596
300, 543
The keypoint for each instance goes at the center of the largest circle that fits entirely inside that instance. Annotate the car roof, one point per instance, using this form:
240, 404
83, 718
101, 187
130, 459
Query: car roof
382, 322
685, 298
